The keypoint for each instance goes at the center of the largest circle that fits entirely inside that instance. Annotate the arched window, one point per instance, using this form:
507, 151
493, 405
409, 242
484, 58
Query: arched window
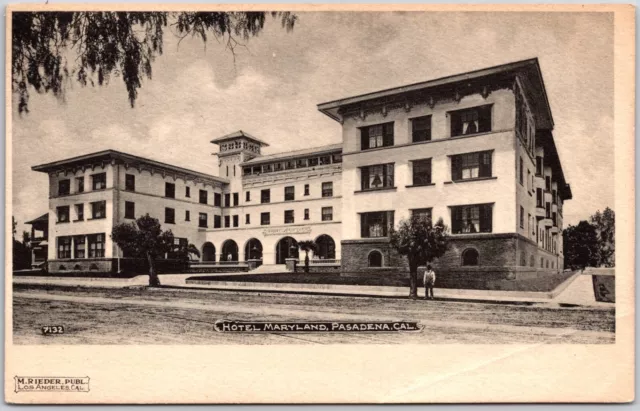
375, 259
523, 259
62, 268
470, 256
93, 267
77, 267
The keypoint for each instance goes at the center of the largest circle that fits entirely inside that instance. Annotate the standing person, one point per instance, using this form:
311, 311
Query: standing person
229, 257
429, 280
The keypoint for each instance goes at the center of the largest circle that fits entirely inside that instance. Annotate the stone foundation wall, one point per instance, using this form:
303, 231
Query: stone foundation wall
110, 265
501, 258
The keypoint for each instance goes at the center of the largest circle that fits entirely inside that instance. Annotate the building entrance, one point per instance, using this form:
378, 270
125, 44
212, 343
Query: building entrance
287, 247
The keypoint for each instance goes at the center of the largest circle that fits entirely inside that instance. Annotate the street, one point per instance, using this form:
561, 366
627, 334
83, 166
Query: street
166, 316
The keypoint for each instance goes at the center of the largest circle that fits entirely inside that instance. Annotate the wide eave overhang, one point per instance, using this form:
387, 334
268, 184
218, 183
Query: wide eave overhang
239, 134
527, 70
109, 156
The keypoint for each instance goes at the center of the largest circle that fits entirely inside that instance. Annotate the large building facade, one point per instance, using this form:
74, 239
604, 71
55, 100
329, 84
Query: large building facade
475, 149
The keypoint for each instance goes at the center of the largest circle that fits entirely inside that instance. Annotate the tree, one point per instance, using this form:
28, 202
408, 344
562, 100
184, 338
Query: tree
580, 244
184, 251
605, 225
306, 246
144, 238
21, 251
49, 49
421, 242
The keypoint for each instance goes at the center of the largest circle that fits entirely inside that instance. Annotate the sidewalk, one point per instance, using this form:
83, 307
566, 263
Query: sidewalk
576, 291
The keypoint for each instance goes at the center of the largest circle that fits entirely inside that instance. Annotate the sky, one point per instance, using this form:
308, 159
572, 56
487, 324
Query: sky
272, 87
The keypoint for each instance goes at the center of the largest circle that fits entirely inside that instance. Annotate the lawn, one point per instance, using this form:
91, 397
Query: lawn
311, 278
538, 284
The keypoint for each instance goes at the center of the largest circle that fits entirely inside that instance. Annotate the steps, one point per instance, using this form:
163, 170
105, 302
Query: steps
270, 269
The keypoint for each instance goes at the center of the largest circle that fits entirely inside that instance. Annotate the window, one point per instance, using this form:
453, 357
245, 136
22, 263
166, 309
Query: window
99, 209
202, 220
471, 121
421, 128
130, 182
99, 181
529, 180
529, 223
375, 259
548, 210
521, 217
96, 245
290, 165
327, 213
301, 163
203, 196
380, 135
227, 171
79, 247
377, 177
375, 224
306, 189
327, 189
227, 200
236, 199
64, 187
289, 193
306, 213
472, 219
325, 160
313, 162
217, 221
227, 221
80, 184
539, 200
547, 183
247, 196
470, 257
187, 215
538, 165
523, 259
217, 199
265, 196
265, 218
169, 190
521, 172
169, 215
288, 216
129, 209
64, 247
421, 172
235, 221
63, 214
554, 198
79, 212
247, 219
471, 165
422, 213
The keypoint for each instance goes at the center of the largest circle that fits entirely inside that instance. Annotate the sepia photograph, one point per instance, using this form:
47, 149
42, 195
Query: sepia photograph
308, 177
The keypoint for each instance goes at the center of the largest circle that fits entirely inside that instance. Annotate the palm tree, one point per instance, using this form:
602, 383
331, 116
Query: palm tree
306, 246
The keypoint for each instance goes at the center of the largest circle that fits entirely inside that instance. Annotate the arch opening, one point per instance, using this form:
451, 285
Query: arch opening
326, 248
229, 251
287, 247
375, 258
208, 252
470, 257
253, 250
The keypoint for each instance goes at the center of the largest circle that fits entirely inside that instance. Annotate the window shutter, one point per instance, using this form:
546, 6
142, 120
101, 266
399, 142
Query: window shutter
456, 169
484, 120
387, 135
485, 164
364, 173
486, 218
456, 219
364, 138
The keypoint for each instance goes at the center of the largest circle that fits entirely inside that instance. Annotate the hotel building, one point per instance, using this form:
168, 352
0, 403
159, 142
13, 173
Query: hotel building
474, 149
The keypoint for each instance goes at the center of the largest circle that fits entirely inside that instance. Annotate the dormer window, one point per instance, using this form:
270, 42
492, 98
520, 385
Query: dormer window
471, 121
